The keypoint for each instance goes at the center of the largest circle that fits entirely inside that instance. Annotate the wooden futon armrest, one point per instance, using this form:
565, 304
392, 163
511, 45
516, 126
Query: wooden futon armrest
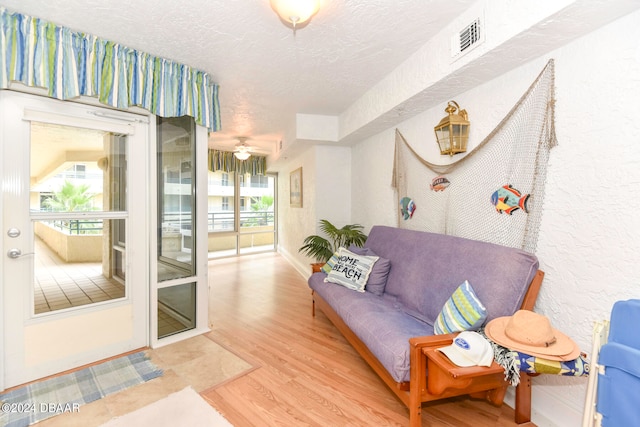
434, 341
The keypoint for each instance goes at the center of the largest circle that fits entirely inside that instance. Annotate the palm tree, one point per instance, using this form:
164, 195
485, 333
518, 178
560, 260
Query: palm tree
71, 197
321, 248
264, 213
263, 204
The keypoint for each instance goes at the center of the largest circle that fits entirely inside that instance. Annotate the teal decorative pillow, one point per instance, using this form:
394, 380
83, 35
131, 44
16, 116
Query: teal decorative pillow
463, 311
330, 263
351, 270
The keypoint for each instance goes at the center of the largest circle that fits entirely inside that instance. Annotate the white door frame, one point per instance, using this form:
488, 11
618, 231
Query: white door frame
19, 329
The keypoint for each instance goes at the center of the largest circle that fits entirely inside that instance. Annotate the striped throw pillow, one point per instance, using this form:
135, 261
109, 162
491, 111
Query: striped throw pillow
463, 311
328, 266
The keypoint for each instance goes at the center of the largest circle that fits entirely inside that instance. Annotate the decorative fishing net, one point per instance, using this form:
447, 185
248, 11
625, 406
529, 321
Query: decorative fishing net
515, 153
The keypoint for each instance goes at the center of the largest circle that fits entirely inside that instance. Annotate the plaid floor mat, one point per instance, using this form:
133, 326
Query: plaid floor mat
43, 399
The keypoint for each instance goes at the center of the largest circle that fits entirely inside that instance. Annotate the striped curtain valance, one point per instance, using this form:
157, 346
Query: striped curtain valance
69, 64
225, 161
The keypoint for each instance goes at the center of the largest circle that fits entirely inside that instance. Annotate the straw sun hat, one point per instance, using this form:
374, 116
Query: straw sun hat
532, 333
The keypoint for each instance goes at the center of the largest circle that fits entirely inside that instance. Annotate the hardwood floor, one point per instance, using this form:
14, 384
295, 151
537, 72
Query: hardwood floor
308, 374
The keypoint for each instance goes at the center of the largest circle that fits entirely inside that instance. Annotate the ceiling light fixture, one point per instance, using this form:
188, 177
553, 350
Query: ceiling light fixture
295, 12
242, 151
242, 155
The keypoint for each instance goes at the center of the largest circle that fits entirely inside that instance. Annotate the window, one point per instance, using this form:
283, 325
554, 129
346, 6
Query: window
172, 176
259, 181
176, 198
44, 203
97, 239
242, 214
185, 172
80, 170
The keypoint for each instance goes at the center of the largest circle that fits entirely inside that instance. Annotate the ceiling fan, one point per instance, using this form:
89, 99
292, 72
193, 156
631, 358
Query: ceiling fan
242, 150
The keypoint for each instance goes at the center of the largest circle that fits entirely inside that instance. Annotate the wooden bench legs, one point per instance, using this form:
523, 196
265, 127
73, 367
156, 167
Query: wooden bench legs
522, 404
523, 401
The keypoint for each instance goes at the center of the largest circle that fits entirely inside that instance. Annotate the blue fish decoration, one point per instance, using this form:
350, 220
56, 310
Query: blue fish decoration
507, 199
407, 207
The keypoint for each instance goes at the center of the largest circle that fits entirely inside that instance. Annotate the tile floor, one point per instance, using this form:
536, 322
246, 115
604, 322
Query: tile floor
59, 285
167, 325
198, 362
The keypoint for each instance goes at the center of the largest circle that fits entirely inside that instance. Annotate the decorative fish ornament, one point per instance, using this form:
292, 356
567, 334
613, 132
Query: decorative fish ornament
439, 183
508, 199
407, 207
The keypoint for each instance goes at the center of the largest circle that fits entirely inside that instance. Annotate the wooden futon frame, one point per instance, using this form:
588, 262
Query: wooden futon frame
434, 377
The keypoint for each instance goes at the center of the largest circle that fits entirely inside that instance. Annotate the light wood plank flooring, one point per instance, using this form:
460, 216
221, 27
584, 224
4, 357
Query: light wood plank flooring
307, 375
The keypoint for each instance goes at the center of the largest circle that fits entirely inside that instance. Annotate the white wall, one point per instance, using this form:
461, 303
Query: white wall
294, 223
590, 233
333, 177
326, 188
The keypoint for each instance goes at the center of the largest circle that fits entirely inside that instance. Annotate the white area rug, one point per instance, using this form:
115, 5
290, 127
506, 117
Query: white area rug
183, 408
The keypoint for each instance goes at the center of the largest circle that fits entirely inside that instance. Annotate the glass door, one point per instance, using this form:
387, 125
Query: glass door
75, 245
79, 215
177, 231
241, 213
257, 213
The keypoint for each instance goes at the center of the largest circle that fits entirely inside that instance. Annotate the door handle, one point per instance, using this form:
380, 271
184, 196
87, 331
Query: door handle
17, 253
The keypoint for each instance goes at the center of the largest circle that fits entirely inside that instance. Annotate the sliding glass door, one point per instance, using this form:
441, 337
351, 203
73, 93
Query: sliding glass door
242, 214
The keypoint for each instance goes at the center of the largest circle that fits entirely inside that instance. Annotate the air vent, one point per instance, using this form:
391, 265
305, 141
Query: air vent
468, 38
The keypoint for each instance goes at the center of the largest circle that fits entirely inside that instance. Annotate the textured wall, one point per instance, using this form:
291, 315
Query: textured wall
589, 242
326, 185
294, 223
590, 233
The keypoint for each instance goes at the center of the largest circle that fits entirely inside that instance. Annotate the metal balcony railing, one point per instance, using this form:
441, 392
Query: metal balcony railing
216, 221
220, 221
77, 226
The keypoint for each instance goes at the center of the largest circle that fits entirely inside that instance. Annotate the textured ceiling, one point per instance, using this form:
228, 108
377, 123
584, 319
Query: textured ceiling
266, 74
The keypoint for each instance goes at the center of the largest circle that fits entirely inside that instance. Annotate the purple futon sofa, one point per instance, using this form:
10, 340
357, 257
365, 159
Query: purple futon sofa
425, 269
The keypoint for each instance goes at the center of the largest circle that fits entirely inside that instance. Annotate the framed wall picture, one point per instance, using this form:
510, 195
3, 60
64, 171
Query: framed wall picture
295, 188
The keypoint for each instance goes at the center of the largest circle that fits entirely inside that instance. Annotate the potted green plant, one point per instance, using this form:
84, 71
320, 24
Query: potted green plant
321, 248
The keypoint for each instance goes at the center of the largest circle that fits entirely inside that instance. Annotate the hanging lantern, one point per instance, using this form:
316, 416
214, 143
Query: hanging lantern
452, 132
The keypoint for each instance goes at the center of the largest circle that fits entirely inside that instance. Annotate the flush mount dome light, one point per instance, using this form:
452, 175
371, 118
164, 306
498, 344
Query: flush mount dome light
295, 12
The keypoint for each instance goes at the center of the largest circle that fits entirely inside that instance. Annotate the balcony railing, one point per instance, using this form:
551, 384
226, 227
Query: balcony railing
216, 221
223, 221
77, 226
220, 221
